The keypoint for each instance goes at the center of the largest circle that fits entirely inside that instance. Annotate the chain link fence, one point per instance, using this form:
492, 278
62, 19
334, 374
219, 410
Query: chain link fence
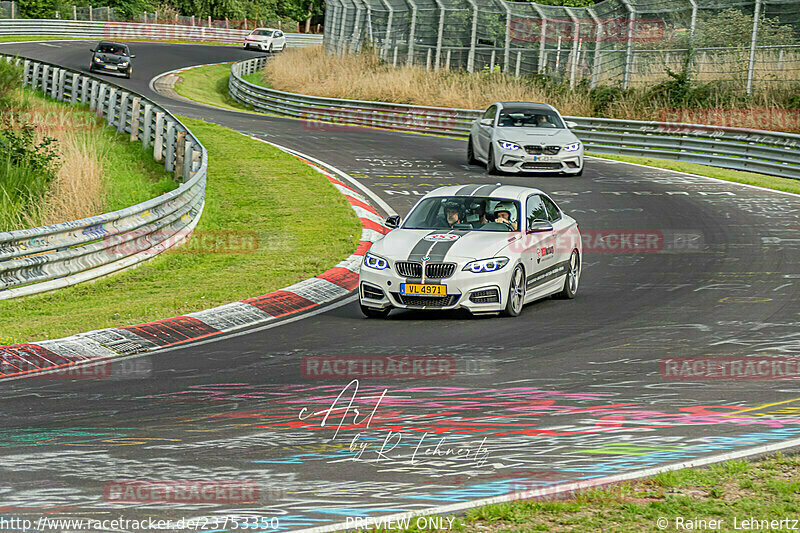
627, 42
8, 10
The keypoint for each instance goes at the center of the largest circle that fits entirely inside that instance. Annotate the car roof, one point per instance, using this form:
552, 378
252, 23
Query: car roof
494, 190
268, 29
112, 42
532, 105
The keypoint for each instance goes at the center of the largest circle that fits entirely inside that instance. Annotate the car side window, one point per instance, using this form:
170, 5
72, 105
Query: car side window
552, 210
535, 210
491, 112
278, 34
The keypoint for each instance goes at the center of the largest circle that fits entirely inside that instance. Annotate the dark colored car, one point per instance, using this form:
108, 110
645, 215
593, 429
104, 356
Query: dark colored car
112, 57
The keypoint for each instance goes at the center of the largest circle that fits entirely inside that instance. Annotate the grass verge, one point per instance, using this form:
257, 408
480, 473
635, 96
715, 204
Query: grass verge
99, 170
738, 176
209, 85
768, 489
304, 226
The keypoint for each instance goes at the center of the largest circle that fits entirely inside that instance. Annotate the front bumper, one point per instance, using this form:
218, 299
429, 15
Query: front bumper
109, 68
478, 293
258, 45
516, 161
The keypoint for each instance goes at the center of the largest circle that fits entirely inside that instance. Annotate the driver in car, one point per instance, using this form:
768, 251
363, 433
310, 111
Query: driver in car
502, 214
453, 214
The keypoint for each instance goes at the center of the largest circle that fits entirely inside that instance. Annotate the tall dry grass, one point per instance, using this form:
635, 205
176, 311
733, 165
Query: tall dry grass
365, 77
78, 188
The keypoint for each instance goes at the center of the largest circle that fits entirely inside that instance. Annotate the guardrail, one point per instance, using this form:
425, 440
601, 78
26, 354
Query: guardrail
50, 257
130, 31
766, 152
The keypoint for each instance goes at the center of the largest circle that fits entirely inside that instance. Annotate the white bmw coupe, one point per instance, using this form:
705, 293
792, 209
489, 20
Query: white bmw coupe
485, 248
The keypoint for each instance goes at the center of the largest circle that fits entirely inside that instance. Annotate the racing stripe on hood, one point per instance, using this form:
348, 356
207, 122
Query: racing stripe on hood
467, 190
486, 190
440, 249
421, 248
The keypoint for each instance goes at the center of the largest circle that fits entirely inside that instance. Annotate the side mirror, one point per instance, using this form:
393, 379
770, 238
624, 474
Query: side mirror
540, 226
392, 222
487, 122
91, 49
572, 125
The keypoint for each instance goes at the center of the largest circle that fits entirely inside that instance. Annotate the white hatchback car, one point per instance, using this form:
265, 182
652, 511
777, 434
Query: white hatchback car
485, 248
525, 137
266, 40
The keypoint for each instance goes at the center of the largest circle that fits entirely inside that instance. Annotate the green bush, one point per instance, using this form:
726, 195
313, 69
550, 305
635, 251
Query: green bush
10, 82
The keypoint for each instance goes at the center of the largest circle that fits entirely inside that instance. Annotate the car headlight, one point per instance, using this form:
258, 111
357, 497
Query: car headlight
572, 147
486, 265
123, 64
98, 60
506, 145
375, 262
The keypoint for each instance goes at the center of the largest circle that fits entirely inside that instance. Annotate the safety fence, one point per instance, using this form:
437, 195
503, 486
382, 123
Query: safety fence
743, 43
766, 152
130, 31
50, 257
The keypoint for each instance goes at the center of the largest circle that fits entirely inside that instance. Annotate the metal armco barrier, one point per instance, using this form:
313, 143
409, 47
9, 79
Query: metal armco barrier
50, 257
766, 152
130, 31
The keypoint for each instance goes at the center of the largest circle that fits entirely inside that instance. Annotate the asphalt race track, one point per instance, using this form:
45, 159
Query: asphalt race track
570, 390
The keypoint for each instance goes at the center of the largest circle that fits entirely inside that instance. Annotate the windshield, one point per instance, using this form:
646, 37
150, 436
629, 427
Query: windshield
112, 49
477, 213
265, 33
528, 118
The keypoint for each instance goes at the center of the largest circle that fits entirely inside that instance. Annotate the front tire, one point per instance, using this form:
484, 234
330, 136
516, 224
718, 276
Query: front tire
491, 168
516, 292
371, 312
471, 153
573, 277
579, 173
129, 73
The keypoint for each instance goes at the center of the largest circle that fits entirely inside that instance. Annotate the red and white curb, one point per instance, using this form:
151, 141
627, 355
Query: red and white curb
22, 359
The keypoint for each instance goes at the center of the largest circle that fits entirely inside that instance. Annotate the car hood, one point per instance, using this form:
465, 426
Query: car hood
112, 58
536, 135
441, 245
258, 38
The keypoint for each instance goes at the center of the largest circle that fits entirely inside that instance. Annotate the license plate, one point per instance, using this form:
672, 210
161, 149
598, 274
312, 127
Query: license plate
110, 67
544, 158
426, 290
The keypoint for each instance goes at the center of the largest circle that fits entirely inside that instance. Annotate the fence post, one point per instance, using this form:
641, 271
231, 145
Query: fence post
180, 152
135, 119
85, 96
598, 39
54, 83
123, 112
473, 37
209, 21
187, 160
411, 32
394, 57
753, 40
26, 65
575, 36
13, 8
541, 63
91, 13
447, 61
626, 76
519, 60
491, 64
74, 12
45, 71
355, 38
507, 51
440, 34
62, 84
147, 128
112, 104
169, 157
158, 147
428, 62
389, 21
